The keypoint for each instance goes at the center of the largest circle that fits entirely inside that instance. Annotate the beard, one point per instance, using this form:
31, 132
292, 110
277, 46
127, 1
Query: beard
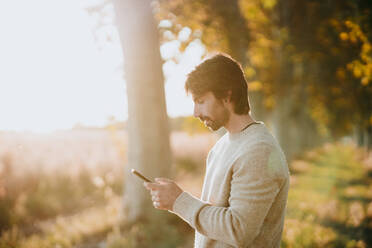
213, 125
216, 123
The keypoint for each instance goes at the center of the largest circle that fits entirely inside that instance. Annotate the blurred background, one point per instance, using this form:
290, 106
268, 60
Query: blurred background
92, 88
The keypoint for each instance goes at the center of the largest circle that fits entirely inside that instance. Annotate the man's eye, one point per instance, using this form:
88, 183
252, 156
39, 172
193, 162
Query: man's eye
199, 101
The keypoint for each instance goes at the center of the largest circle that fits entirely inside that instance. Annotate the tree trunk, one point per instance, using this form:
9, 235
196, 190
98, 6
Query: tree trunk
363, 136
369, 138
235, 28
148, 128
293, 126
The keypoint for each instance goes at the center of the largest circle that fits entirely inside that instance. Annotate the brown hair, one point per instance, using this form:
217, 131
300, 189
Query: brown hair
219, 74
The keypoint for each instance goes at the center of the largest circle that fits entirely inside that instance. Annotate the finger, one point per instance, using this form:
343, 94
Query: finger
146, 185
162, 179
152, 186
154, 193
155, 198
156, 204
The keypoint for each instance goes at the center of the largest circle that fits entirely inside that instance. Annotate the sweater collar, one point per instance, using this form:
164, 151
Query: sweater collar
235, 136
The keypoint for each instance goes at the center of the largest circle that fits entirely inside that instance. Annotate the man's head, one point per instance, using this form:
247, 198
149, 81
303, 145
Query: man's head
216, 84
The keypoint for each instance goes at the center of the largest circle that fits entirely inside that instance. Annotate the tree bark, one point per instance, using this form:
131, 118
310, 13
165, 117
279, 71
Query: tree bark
148, 127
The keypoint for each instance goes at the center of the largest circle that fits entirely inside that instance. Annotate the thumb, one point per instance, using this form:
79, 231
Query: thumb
163, 180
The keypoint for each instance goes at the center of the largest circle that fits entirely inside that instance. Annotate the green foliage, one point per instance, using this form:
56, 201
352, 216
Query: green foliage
328, 200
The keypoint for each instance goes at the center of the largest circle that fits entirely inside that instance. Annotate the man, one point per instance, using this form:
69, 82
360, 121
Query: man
247, 179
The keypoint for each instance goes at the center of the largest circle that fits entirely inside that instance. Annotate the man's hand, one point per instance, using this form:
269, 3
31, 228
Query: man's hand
163, 193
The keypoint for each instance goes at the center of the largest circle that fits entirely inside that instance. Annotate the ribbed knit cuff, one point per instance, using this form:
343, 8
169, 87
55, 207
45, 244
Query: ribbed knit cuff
187, 206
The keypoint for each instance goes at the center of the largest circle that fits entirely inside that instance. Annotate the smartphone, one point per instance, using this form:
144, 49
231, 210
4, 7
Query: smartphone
134, 172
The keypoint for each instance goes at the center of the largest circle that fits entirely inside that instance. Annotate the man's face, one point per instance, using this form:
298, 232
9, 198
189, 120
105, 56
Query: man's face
211, 111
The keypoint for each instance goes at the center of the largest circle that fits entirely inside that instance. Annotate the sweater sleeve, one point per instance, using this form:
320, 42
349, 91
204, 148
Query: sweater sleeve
254, 187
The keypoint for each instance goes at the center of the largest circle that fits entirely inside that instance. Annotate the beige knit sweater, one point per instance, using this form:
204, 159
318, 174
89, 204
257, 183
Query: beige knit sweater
244, 193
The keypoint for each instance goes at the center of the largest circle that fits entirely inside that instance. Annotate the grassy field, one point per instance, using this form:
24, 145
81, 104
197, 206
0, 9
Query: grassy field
330, 200
67, 194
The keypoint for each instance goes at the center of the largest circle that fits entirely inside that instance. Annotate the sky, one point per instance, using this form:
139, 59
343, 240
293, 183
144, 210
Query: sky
57, 68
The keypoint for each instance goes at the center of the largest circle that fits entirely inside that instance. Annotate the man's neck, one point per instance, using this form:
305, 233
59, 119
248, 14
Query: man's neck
238, 122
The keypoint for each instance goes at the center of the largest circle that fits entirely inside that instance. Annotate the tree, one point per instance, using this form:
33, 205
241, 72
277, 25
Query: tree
310, 84
148, 131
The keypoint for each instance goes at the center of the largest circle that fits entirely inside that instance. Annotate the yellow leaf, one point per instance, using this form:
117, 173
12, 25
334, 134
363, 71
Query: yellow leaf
344, 36
366, 47
254, 86
269, 4
365, 81
269, 102
348, 24
357, 72
249, 72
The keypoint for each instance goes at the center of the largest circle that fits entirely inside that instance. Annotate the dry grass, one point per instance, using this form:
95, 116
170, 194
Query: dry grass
54, 188
64, 190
